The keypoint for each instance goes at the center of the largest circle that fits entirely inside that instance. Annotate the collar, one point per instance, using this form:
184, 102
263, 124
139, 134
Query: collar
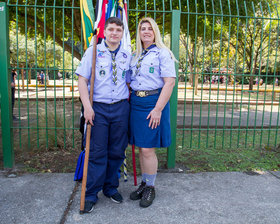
102, 47
150, 47
115, 51
153, 48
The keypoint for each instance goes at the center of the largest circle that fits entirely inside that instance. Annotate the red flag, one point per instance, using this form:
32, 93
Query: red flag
101, 23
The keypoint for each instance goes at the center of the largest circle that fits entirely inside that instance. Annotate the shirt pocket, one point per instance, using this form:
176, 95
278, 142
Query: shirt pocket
102, 69
150, 65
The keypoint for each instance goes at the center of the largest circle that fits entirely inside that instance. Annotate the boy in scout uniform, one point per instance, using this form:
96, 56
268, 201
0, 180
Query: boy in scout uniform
109, 114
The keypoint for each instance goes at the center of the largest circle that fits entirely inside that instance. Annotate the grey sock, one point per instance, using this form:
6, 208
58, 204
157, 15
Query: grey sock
150, 179
144, 177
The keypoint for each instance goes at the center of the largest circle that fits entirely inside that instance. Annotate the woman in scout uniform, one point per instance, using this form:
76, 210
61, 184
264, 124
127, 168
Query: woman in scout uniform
152, 81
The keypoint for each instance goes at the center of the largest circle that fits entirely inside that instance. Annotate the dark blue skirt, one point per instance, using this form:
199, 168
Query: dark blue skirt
139, 132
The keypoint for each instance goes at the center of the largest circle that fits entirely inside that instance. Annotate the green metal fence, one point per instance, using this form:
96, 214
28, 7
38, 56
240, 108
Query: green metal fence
231, 59
227, 95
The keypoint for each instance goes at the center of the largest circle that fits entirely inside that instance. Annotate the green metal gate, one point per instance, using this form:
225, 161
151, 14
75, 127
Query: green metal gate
226, 93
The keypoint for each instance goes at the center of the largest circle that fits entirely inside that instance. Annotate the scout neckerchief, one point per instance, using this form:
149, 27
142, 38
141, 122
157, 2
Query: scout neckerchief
138, 65
114, 64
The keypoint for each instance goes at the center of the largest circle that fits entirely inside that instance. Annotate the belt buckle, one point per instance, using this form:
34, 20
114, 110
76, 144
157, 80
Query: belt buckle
141, 93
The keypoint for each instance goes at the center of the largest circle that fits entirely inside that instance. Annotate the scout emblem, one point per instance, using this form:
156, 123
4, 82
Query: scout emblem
102, 73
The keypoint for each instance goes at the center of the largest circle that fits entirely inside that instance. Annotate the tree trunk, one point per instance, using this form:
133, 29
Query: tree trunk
29, 75
196, 82
22, 77
191, 74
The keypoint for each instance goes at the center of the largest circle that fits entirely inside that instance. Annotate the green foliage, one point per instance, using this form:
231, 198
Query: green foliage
47, 22
37, 52
214, 34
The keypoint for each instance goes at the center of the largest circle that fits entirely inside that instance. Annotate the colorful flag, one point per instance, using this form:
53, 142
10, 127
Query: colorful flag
108, 8
126, 41
101, 18
87, 14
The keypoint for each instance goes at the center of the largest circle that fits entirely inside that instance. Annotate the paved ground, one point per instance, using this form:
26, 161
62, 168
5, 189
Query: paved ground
180, 198
205, 115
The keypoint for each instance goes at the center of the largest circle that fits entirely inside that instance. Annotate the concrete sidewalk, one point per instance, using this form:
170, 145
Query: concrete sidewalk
180, 198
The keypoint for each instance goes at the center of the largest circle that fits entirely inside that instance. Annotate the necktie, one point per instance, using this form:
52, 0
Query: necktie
138, 65
114, 67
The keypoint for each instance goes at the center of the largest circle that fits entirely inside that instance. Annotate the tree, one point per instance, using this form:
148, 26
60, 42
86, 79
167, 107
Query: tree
24, 51
256, 42
50, 21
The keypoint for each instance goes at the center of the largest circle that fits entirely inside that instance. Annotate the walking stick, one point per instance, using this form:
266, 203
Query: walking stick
84, 183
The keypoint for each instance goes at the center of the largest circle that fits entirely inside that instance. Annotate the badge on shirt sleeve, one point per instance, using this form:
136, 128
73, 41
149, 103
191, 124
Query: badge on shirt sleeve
102, 73
151, 70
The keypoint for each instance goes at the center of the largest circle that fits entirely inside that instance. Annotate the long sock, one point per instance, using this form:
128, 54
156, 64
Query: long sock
150, 179
144, 177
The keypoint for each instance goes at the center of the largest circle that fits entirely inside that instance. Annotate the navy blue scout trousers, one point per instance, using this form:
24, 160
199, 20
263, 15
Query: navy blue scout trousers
109, 139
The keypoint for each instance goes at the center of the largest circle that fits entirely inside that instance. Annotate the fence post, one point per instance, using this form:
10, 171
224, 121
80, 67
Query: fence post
175, 38
5, 88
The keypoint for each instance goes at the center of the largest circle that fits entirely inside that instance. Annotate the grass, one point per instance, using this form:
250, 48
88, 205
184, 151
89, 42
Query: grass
246, 153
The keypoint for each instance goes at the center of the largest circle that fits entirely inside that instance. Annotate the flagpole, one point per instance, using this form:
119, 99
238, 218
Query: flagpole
133, 146
84, 182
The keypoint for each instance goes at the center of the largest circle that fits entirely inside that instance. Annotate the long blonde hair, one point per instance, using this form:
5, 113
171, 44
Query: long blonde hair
158, 40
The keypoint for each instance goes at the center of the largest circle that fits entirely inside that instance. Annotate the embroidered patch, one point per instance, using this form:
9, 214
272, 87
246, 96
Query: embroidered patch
123, 74
102, 73
151, 70
101, 55
124, 55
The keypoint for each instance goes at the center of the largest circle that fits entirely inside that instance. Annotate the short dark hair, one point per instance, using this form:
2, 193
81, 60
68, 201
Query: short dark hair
115, 20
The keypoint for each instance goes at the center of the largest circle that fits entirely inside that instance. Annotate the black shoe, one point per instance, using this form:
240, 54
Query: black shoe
88, 207
117, 198
136, 195
148, 196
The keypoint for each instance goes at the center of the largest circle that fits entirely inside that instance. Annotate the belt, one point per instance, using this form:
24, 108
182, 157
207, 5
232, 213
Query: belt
118, 101
144, 93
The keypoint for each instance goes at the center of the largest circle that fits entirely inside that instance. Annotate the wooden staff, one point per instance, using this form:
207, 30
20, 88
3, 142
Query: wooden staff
84, 182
